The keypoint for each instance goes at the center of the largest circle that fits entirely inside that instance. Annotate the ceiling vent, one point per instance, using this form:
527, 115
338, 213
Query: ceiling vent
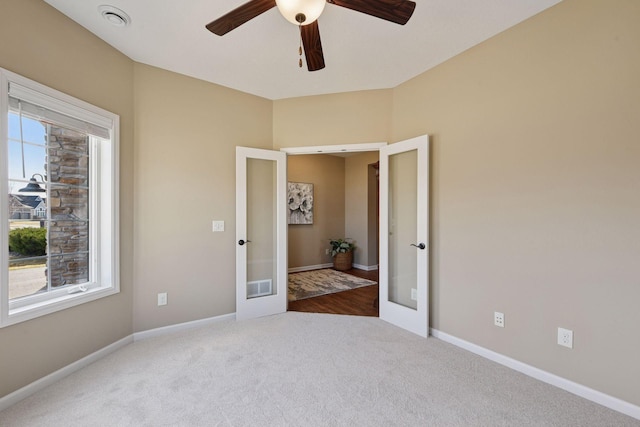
114, 16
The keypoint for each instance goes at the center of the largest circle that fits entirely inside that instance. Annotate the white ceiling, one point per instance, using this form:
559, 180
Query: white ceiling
261, 57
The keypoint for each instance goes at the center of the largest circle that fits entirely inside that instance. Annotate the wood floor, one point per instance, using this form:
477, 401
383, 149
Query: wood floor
356, 302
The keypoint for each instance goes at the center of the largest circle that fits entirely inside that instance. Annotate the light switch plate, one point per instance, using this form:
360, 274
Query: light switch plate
218, 226
162, 298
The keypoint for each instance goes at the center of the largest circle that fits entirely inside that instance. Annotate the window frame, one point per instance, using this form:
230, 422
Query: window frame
104, 204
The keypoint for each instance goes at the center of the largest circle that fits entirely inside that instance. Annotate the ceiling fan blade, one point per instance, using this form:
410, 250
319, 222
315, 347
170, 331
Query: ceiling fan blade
398, 11
239, 16
312, 46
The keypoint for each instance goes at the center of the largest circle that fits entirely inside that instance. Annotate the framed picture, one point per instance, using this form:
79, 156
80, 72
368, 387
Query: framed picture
300, 203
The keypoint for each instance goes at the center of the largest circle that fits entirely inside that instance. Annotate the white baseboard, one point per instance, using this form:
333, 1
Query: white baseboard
309, 267
544, 376
53, 377
329, 265
366, 267
137, 336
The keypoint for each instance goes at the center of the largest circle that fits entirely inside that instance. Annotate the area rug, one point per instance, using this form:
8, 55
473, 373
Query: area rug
313, 283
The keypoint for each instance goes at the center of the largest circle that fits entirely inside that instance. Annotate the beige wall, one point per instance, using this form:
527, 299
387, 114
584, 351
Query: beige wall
357, 204
307, 243
186, 134
43, 45
344, 118
535, 190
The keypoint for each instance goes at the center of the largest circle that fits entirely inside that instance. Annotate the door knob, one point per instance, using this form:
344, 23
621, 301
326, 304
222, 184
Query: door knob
242, 242
419, 245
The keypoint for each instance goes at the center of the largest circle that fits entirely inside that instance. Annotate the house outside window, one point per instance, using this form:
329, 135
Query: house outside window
40, 211
60, 230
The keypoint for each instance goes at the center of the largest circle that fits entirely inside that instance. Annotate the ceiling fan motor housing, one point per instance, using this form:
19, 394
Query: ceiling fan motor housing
301, 11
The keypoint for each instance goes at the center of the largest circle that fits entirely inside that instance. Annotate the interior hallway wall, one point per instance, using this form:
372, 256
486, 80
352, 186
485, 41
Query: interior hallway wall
357, 204
309, 242
373, 213
535, 190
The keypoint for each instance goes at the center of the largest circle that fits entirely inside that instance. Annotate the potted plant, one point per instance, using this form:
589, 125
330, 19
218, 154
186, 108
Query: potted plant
342, 253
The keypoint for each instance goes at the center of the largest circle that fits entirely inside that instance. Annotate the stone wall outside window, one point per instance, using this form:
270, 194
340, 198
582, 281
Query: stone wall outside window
68, 180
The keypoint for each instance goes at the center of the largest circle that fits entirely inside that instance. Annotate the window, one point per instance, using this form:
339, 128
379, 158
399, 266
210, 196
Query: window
59, 231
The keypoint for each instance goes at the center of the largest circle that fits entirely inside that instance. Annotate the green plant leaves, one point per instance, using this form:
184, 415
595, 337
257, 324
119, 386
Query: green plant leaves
341, 246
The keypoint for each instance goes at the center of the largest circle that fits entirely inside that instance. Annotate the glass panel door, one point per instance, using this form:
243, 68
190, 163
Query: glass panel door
403, 220
261, 243
262, 278
404, 195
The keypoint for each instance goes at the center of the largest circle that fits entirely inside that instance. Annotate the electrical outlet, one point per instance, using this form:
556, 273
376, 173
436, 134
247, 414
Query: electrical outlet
327, 251
498, 319
162, 298
414, 294
565, 337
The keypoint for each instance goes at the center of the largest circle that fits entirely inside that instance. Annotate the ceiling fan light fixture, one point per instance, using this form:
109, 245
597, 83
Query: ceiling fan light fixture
295, 10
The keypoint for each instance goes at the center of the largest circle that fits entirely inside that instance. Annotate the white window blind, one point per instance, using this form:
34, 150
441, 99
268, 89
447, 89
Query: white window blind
43, 107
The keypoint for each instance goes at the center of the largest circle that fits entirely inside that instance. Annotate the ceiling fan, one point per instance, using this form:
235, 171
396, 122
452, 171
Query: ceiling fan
305, 13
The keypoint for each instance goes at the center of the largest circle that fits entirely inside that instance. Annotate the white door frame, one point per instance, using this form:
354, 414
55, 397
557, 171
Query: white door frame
329, 149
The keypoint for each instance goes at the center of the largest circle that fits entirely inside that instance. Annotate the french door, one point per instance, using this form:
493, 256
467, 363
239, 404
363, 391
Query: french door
261, 233
404, 234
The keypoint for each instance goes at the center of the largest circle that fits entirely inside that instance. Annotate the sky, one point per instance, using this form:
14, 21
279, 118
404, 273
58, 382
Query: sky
34, 155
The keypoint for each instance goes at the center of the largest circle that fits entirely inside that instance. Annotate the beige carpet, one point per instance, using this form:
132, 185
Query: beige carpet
302, 369
313, 283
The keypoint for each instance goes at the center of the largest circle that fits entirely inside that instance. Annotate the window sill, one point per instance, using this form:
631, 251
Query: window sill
41, 308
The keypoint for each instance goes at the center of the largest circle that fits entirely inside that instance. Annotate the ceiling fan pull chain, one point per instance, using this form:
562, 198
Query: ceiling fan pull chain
300, 47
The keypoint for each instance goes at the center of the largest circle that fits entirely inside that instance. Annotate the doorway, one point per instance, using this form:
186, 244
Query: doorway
403, 253
345, 203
